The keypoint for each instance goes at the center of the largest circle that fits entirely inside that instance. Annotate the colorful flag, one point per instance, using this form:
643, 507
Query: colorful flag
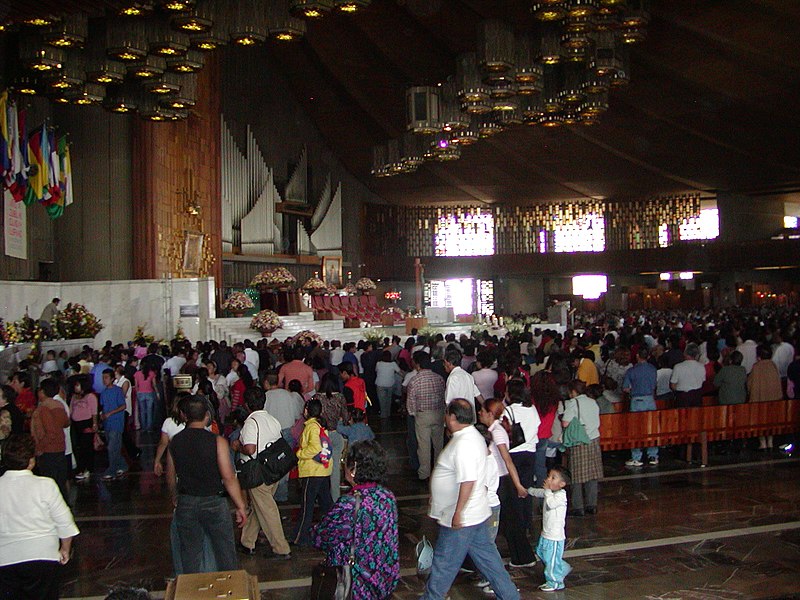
53, 193
38, 177
5, 147
66, 171
57, 202
19, 160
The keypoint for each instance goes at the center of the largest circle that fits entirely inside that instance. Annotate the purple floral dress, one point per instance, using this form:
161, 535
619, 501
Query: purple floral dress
377, 563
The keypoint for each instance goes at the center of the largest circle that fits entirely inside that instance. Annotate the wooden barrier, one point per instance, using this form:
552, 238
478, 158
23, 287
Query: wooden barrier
702, 424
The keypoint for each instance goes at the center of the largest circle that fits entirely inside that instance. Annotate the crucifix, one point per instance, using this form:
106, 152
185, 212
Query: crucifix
419, 279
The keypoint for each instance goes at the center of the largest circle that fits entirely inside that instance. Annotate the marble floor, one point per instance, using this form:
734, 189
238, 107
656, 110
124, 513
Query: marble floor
728, 531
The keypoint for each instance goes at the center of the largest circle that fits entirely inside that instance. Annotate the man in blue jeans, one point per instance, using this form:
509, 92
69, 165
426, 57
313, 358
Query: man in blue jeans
460, 504
112, 402
640, 384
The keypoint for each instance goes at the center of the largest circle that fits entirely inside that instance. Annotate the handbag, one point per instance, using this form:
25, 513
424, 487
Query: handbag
575, 433
330, 582
268, 466
516, 435
97, 442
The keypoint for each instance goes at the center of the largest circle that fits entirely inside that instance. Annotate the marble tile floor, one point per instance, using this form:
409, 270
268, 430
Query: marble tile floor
728, 531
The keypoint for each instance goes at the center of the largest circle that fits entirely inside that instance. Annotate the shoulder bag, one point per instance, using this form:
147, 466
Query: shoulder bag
575, 433
516, 435
330, 582
268, 466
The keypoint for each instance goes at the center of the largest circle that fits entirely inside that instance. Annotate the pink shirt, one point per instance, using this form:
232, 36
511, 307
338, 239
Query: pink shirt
297, 369
499, 438
140, 352
83, 409
144, 385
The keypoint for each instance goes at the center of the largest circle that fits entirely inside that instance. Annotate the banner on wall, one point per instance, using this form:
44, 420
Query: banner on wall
15, 227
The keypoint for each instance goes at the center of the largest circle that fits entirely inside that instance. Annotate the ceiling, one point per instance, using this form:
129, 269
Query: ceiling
712, 104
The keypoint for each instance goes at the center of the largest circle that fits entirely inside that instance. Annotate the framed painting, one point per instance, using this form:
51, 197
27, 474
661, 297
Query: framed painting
332, 270
192, 252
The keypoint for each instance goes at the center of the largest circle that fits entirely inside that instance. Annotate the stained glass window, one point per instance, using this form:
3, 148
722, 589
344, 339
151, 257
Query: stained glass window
468, 233
705, 226
586, 233
791, 222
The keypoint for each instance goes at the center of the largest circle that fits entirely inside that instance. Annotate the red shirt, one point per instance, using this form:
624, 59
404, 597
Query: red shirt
359, 389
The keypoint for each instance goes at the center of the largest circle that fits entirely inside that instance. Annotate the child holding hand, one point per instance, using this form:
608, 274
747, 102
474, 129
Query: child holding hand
554, 517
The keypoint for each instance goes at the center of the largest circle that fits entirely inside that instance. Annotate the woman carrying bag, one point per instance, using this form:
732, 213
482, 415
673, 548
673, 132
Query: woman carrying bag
360, 534
581, 436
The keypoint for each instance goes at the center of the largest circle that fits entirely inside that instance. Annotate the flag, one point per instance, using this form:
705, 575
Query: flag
38, 177
53, 193
5, 146
57, 202
66, 171
19, 146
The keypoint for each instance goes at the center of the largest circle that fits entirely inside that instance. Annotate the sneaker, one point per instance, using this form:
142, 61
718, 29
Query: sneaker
82, 476
522, 565
107, 477
465, 570
245, 550
273, 556
652, 461
488, 590
121, 473
550, 587
633, 463
482, 583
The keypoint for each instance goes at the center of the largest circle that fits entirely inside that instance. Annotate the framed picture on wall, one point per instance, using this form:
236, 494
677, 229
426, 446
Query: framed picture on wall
332, 270
192, 252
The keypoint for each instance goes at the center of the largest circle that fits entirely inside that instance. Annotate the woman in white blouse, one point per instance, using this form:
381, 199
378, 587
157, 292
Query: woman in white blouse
37, 526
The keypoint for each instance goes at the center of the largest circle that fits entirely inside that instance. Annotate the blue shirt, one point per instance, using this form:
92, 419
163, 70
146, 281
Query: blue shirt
641, 380
97, 377
111, 398
357, 432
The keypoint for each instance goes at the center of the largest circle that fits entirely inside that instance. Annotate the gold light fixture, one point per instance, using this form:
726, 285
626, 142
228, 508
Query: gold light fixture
379, 161
471, 88
186, 96
90, 93
166, 42
451, 117
551, 120
69, 33
126, 39
135, 9
282, 26
150, 67
422, 109
532, 110
495, 46
168, 83
351, 6
191, 62
310, 9
200, 19
550, 44
582, 8
444, 149
528, 73
549, 11
40, 21
36, 56
488, 127
468, 135
413, 153
24, 84
572, 92
71, 76
177, 5
249, 23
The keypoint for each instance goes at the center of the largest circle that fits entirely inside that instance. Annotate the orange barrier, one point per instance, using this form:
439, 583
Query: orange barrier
702, 424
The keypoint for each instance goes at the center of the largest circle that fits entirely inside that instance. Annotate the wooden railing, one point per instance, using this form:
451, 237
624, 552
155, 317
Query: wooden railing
701, 424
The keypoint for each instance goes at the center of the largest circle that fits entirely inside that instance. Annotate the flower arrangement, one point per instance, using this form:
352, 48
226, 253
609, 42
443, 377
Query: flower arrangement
315, 285
393, 295
180, 334
75, 322
273, 278
374, 335
266, 320
238, 302
395, 311
350, 289
428, 331
331, 289
307, 333
24, 330
3, 333
411, 311
140, 334
365, 284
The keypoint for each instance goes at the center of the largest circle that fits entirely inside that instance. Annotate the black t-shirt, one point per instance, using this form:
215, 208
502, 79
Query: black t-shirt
194, 452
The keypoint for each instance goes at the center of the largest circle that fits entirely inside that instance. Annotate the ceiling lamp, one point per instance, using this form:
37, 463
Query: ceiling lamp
69, 33
495, 46
191, 62
582, 8
550, 44
150, 67
164, 41
90, 93
351, 6
636, 14
167, 84
503, 105
121, 99
607, 58
126, 39
595, 104
572, 93
135, 9
551, 120
105, 72
413, 152
25, 84
379, 161
422, 109
503, 89
488, 127
529, 72
509, 118
36, 57
310, 9
477, 107
571, 118
177, 5
198, 20
577, 32
444, 149
41, 21
549, 10
393, 162
469, 135
248, 22
532, 110
283, 27
623, 75
593, 84
470, 87
450, 115
553, 76
71, 76
186, 96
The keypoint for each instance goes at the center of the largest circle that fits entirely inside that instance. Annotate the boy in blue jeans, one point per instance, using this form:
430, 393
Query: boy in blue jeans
553, 536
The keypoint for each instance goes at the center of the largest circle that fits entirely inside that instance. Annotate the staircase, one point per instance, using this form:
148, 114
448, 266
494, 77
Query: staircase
234, 330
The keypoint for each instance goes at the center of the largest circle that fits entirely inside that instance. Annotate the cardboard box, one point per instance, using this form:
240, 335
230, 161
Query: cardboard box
230, 585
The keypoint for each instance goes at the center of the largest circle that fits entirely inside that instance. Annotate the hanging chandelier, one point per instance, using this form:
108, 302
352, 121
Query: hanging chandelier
557, 74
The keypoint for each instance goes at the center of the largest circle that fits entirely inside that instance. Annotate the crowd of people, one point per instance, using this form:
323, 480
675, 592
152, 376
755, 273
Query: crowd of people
496, 427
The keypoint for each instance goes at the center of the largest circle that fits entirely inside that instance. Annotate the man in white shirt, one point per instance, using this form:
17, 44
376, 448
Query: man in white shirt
337, 353
459, 503
688, 378
251, 356
460, 384
782, 355
233, 375
748, 349
176, 362
484, 376
259, 430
